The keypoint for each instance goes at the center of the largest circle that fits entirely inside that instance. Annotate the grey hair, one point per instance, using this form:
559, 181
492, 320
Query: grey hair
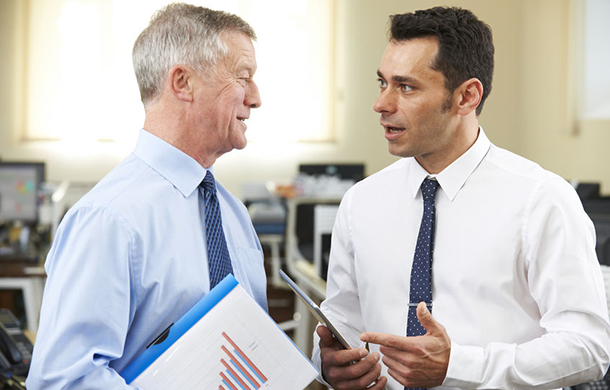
181, 34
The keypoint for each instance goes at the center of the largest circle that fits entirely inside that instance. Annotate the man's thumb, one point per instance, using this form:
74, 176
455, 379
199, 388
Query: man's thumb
425, 318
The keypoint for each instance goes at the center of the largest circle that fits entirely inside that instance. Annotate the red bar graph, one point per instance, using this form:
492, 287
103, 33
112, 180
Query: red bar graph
234, 374
244, 356
240, 372
242, 368
227, 381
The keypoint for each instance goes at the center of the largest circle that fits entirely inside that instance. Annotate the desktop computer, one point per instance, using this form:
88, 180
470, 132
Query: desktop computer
20, 188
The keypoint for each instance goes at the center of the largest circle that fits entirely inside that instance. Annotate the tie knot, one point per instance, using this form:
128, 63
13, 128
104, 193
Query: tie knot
208, 183
428, 189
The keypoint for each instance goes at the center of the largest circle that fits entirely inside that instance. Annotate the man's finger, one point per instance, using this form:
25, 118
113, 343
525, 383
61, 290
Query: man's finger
343, 356
428, 322
326, 337
362, 375
388, 340
370, 380
327, 340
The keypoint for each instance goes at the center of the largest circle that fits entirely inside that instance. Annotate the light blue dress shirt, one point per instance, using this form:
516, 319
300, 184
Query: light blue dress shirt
128, 260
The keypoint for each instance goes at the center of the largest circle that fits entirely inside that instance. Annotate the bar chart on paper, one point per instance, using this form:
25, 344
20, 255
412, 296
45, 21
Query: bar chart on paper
236, 346
241, 363
241, 372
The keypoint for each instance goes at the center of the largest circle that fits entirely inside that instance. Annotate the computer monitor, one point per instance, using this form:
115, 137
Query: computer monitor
599, 212
20, 184
602, 232
344, 171
588, 191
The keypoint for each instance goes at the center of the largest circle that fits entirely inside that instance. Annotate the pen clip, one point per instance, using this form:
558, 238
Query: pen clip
161, 338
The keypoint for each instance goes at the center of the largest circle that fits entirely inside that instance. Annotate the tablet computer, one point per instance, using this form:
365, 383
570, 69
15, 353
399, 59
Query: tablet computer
315, 310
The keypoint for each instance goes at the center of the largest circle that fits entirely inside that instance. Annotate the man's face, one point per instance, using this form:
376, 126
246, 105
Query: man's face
224, 98
415, 107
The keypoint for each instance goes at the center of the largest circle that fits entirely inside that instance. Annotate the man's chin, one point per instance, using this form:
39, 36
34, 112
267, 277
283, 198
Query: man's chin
240, 145
398, 152
238, 140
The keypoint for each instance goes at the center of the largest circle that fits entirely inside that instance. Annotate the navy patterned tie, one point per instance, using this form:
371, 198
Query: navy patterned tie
421, 270
219, 261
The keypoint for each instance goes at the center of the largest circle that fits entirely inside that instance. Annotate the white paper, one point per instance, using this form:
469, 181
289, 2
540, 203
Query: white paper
235, 346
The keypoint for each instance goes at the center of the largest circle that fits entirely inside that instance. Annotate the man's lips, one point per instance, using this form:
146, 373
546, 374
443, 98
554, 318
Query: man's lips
243, 119
392, 129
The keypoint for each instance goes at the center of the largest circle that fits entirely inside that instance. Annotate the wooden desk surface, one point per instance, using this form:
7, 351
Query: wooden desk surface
17, 268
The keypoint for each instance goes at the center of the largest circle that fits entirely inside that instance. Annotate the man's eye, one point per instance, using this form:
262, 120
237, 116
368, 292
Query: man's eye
405, 87
382, 83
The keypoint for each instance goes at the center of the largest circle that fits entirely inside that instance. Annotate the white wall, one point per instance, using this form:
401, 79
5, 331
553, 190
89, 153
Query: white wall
524, 112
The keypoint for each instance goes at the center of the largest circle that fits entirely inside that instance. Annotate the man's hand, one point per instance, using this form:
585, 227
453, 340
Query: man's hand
348, 369
419, 361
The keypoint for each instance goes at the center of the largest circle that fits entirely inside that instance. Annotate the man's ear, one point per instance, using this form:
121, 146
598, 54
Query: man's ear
180, 79
469, 95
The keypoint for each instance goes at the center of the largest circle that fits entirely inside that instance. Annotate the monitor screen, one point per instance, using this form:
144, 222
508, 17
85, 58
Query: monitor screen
602, 232
20, 184
353, 172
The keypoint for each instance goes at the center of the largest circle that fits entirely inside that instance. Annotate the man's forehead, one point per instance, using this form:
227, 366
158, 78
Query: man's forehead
406, 58
245, 63
241, 55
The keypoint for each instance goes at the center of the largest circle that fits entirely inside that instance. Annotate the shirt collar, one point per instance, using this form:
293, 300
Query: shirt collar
452, 178
174, 165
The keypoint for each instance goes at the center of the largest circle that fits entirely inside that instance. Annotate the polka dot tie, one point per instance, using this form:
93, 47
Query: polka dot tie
219, 261
421, 271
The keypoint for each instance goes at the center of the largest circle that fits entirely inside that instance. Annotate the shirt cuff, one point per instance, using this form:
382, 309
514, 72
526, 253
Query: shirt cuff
466, 364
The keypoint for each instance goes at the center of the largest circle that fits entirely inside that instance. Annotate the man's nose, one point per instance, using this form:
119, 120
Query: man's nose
385, 101
253, 97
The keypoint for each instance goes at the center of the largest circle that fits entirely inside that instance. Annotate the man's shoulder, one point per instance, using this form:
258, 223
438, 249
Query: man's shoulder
119, 185
520, 173
516, 165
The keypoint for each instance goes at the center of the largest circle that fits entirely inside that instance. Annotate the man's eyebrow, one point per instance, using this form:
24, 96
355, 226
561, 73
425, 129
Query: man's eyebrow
398, 79
403, 79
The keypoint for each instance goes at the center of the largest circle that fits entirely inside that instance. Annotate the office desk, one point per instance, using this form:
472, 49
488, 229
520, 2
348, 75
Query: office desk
30, 279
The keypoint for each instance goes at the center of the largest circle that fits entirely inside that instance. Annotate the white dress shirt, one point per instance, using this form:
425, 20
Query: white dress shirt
515, 278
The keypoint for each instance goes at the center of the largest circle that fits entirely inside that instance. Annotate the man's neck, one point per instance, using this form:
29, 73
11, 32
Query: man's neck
463, 141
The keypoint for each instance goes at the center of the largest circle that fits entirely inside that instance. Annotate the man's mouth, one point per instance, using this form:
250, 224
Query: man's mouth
393, 130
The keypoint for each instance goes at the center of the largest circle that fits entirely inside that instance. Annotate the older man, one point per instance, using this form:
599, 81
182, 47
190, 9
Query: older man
157, 233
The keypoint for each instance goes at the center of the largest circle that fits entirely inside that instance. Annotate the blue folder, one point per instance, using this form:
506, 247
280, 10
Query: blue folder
175, 331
